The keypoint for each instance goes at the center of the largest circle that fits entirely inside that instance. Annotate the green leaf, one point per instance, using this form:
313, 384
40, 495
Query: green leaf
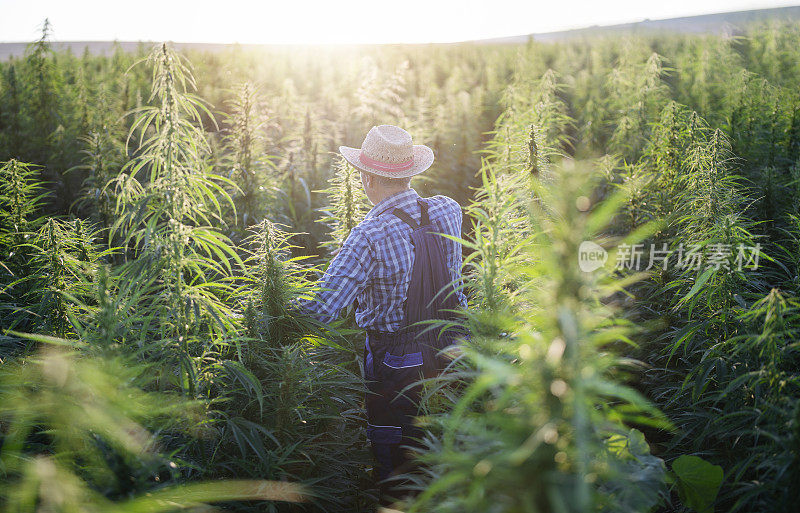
698, 482
194, 494
697, 286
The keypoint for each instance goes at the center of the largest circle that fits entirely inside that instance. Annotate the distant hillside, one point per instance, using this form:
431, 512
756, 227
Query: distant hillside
707, 23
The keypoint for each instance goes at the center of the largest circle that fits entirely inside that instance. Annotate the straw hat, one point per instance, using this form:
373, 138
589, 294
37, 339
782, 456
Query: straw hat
387, 151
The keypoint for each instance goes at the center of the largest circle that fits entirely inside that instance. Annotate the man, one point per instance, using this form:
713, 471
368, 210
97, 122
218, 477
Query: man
401, 272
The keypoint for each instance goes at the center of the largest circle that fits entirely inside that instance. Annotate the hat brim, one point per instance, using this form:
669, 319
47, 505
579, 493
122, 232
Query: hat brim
423, 159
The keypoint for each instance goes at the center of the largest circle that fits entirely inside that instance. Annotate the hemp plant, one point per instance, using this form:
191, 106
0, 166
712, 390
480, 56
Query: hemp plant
534, 129
65, 256
81, 434
542, 421
245, 141
21, 197
274, 280
347, 202
638, 91
168, 201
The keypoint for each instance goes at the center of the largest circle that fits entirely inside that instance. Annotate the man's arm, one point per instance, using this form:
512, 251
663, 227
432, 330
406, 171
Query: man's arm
344, 279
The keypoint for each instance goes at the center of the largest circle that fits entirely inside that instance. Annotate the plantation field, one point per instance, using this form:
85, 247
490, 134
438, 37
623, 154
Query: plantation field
631, 244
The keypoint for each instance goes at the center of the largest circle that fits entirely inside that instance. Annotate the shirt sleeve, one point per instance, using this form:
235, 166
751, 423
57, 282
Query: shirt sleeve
345, 278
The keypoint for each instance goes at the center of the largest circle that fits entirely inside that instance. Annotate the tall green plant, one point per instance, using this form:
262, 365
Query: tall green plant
347, 201
245, 141
638, 92
21, 198
75, 439
167, 203
544, 421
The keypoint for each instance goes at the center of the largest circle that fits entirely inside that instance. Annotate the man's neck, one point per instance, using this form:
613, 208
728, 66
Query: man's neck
382, 195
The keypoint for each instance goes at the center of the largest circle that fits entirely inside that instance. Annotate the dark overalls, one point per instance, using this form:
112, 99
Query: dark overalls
395, 360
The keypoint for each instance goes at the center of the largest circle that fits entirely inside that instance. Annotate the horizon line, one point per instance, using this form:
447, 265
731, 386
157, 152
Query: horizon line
487, 39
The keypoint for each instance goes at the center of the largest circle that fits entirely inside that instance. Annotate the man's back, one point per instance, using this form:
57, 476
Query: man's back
374, 264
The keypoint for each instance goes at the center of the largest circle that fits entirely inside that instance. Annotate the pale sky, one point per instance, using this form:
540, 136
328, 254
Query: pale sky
333, 21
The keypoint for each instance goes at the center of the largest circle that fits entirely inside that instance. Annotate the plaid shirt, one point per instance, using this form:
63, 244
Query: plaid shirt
374, 263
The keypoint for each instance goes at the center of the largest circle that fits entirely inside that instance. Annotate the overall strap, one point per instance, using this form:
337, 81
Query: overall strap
423, 212
403, 215
406, 218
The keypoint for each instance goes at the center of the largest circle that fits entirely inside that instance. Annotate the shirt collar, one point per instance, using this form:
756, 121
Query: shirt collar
392, 201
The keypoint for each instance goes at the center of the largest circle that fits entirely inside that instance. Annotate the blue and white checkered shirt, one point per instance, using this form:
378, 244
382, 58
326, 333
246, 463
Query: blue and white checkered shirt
374, 263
